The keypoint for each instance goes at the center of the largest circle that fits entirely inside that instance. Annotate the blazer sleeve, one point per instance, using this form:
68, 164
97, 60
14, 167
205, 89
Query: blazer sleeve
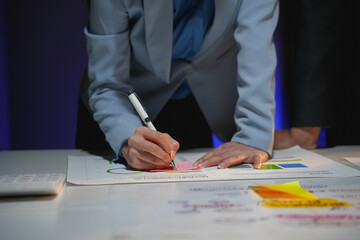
108, 49
255, 108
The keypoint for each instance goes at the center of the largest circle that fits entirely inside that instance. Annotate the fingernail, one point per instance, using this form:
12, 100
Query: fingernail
257, 166
172, 155
221, 166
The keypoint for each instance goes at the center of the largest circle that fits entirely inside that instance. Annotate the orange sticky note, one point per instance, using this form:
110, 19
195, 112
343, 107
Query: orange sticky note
306, 203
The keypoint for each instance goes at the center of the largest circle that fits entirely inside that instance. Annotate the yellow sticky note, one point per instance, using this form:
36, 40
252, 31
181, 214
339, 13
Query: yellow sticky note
291, 188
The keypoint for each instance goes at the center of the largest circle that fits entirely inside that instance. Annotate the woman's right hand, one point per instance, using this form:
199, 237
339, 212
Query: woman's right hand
148, 149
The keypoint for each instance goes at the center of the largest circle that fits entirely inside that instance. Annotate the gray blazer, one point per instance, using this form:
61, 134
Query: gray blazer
232, 77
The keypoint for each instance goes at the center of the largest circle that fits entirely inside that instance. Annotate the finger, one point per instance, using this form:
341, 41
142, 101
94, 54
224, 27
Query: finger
203, 158
228, 162
144, 160
164, 140
260, 159
140, 144
161, 139
208, 155
150, 158
174, 146
213, 157
216, 158
257, 162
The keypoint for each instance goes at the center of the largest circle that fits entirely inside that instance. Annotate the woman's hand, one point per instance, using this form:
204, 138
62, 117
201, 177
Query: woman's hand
230, 154
148, 149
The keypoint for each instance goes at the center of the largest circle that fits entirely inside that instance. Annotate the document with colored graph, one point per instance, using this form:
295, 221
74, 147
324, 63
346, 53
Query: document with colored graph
290, 163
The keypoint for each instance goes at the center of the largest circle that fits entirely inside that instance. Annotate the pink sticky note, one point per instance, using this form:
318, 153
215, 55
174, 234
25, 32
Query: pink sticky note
183, 166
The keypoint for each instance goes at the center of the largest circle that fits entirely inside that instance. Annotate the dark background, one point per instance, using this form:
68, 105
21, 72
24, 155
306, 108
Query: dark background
43, 56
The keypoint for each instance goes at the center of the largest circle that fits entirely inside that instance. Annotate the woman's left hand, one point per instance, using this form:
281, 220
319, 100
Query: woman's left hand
230, 154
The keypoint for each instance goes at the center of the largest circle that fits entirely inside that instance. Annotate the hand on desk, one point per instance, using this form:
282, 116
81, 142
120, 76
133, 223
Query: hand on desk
230, 154
148, 149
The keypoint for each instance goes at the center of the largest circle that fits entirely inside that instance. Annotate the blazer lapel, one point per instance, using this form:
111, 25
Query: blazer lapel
158, 31
225, 12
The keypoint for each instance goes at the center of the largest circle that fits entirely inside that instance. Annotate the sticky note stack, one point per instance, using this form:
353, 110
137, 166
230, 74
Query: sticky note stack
291, 195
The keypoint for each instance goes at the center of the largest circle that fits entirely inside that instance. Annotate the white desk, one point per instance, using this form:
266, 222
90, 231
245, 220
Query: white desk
79, 212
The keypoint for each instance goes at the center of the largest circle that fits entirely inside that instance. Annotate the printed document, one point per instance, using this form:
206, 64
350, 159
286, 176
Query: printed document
290, 163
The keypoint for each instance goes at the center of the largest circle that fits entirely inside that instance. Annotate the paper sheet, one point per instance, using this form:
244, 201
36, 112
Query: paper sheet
228, 210
290, 163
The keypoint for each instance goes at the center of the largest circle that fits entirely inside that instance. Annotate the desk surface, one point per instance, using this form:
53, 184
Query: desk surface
79, 212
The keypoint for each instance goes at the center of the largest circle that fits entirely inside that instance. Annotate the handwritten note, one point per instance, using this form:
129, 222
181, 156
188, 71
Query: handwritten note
180, 167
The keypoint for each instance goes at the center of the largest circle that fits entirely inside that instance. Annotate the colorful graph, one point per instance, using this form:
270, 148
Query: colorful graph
278, 164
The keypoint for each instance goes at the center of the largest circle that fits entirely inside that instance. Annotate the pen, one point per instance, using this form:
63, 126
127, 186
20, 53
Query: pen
135, 100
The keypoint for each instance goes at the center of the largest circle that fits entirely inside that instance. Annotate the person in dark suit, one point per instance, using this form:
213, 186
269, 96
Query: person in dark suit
312, 46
